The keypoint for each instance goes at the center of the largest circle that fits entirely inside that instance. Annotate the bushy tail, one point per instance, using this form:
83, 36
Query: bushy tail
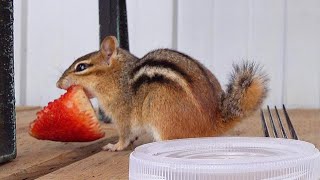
245, 92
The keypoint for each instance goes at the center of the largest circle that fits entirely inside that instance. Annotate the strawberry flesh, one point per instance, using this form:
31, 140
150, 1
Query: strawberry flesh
71, 118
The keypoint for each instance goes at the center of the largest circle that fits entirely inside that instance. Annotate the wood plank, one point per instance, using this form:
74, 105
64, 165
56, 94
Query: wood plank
103, 165
36, 157
305, 121
56, 160
27, 108
114, 165
307, 124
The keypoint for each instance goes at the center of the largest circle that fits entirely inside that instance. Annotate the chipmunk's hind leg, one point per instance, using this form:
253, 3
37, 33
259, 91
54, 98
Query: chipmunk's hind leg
175, 116
124, 137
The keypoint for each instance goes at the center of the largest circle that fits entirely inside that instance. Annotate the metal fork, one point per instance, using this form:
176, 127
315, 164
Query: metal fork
279, 125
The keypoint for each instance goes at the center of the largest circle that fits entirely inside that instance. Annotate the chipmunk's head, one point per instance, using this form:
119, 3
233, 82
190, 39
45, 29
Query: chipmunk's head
90, 70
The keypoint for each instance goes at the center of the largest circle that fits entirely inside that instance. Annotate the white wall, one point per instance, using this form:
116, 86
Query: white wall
282, 35
57, 33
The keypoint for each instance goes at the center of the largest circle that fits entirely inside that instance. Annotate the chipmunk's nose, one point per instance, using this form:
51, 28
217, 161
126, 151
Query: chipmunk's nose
58, 84
63, 83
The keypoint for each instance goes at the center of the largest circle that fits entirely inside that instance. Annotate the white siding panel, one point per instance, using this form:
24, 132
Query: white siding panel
282, 35
215, 33
58, 32
303, 54
266, 45
195, 30
150, 25
231, 33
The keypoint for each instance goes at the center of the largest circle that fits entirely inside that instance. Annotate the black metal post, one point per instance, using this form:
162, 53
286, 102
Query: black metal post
7, 101
113, 21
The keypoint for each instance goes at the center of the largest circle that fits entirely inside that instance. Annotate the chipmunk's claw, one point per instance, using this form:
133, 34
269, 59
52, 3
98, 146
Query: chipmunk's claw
115, 147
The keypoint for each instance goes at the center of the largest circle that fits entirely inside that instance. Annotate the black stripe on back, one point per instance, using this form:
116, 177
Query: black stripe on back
163, 64
144, 79
200, 66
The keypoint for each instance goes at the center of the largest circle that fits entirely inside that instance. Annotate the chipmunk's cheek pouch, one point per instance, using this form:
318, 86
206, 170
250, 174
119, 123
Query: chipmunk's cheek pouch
89, 94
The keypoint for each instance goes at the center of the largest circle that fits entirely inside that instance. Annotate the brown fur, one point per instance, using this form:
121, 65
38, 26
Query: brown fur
246, 90
174, 95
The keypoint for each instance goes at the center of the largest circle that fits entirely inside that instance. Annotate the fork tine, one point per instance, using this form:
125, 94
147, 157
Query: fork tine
292, 131
275, 133
280, 122
264, 124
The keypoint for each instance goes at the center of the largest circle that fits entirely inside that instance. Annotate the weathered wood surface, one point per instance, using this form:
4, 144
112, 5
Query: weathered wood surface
54, 160
103, 165
36, 158
305, 121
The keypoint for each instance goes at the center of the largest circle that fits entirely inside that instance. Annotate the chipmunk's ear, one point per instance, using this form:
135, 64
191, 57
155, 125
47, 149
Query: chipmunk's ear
109, 48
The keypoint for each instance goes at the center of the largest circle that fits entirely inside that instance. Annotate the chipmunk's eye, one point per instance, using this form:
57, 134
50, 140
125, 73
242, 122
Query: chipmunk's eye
81, 67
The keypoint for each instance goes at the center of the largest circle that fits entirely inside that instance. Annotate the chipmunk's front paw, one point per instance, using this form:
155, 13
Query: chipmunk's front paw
109, 147
115, 147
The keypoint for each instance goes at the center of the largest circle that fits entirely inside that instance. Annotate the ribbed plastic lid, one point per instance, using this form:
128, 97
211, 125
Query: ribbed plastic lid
225, 158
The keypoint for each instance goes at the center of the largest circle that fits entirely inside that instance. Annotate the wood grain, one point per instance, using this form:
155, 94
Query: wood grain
36, 157
110, 165
54, 160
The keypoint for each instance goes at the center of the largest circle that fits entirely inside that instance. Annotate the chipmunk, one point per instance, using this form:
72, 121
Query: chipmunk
165, 93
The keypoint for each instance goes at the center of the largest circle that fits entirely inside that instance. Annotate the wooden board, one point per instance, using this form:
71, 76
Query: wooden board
54, 160
36, 157
306, 123
104, 165
114, 165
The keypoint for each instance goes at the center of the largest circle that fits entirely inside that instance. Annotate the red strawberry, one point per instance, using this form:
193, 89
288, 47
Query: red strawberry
70, 118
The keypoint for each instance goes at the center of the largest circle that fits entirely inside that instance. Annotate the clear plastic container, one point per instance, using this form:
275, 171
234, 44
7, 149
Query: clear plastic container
225, 158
